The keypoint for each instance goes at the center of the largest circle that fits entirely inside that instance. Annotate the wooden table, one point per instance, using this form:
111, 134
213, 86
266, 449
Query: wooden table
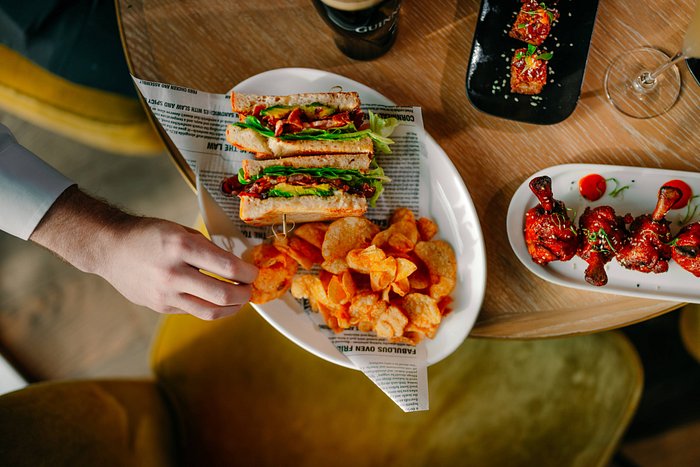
213, 44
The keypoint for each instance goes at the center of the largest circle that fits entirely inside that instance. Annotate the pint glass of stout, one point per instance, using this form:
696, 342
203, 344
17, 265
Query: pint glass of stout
362, 29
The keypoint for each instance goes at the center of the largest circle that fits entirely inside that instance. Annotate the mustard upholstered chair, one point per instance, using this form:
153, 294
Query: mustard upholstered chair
236, 392
62, 68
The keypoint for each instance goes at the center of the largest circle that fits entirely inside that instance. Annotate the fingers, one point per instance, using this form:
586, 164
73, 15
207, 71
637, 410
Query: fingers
205, 255
192, 282
202, 309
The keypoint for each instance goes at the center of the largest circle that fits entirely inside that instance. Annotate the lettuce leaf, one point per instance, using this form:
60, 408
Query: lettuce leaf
379, 131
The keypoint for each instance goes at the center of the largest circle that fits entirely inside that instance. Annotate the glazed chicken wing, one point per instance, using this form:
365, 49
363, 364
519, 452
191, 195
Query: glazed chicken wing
647, 249
602, 234
549, 233
686, 248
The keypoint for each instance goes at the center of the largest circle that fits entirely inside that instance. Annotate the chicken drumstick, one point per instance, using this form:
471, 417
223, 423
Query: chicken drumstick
549, 233
602, 234
686, 248
647, 249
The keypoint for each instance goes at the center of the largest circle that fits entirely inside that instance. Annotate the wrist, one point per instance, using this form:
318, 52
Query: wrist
82, 230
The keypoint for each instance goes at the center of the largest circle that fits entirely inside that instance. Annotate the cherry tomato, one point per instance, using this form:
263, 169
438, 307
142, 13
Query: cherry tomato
686, 191
592, 187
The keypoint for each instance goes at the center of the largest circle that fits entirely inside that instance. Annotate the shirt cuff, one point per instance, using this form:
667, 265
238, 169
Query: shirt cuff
28, 187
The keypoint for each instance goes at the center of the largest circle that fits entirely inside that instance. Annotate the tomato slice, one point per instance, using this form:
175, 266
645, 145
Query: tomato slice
685, 189
592, 187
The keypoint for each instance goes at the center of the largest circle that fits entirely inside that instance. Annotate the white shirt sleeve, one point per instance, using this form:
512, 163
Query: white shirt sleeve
28, 187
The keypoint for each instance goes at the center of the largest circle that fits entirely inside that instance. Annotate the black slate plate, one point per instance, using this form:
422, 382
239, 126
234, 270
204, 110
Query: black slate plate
488, 75
694, 67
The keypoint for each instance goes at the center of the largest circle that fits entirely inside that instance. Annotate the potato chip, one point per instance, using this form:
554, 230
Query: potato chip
308, 286
395, 282
426, 228
347, 234
421, 310
365, 308
329, 317
325, 278
313, 232
399, 237
342, 316
444, 305
364, 260
386, 294
402, 214
335, 266
348, 284
442, 288
408, 337
440, 259
305, 249
420, 279
302, 251
404, 268
265, 256
276, 271
406, 228
391, 323
336, 292
399, 243
419, 332
270, 284
401, 287
380, 280
383, 273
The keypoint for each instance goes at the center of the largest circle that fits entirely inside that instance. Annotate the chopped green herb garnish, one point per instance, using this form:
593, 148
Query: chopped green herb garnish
531, 50
689, 215
595, 237
618, 188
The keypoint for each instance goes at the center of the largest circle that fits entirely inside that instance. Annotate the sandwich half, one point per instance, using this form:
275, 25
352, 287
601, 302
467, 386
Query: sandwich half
297, 124
306, 188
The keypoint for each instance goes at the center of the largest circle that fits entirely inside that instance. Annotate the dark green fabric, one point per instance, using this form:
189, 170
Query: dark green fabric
75, 39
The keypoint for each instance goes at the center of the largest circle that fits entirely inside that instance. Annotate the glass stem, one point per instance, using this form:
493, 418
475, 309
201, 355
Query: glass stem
651, 77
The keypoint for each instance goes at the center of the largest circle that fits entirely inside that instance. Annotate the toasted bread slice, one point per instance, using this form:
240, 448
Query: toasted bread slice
298, 209
249, 140
339, 161
245, 103
285, 148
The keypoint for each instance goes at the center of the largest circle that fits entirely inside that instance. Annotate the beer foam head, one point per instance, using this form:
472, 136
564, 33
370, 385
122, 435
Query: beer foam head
351, 5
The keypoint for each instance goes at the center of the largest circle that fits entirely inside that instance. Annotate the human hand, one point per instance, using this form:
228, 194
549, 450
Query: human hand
152, 262
156, 264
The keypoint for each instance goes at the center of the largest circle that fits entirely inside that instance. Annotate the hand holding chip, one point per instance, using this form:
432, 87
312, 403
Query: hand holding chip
152, 262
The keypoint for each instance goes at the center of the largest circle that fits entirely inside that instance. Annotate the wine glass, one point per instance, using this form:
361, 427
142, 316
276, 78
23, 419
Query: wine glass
645, 82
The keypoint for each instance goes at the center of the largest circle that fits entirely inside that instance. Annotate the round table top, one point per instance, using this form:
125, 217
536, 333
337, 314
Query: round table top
212, 45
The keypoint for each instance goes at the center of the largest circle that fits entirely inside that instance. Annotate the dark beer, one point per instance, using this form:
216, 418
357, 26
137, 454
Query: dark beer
362, 29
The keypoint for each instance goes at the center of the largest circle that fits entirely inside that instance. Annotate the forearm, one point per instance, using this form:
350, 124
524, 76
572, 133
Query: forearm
80, 229
152, 262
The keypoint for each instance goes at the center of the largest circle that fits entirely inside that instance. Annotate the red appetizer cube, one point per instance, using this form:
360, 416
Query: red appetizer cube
528, 70
533, 23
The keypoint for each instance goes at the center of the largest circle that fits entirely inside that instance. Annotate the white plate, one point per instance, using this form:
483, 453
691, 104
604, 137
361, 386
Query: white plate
676, 284
450, 206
